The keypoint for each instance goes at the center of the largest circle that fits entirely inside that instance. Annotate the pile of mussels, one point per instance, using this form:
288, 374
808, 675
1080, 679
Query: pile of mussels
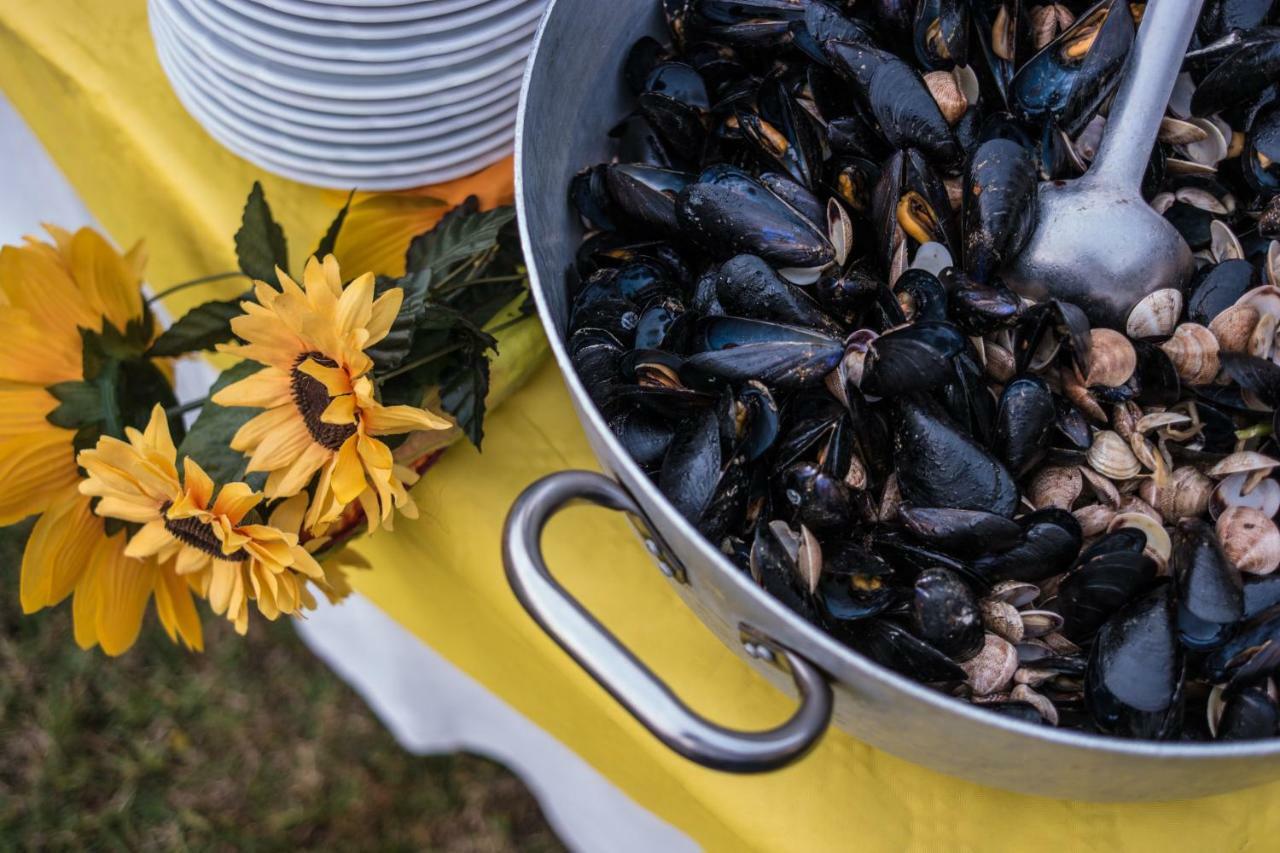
788, 306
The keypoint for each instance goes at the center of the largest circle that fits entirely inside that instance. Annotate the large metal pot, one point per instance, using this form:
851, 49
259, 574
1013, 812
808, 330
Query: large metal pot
572, 95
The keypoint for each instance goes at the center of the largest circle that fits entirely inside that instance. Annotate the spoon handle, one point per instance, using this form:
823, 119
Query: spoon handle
1144, 92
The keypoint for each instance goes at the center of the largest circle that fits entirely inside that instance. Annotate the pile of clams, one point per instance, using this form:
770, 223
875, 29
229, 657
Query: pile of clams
789, 308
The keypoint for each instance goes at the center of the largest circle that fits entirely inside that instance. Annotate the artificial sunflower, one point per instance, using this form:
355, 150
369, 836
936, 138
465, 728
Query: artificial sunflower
322, 414
193, 534
51, 294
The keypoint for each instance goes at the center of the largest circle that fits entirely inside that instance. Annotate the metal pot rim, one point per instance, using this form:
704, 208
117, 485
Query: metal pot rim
811, 634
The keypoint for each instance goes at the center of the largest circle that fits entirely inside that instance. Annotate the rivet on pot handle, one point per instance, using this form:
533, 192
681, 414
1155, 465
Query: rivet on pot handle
619, 672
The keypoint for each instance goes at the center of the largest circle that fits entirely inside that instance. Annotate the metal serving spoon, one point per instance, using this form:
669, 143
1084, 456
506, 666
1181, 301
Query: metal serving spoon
1097, 243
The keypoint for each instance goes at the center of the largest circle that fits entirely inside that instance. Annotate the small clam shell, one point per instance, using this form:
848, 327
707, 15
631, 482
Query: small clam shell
1023, 693
1133, 503
1211, 149
1060, 645
1273, 263
1111, 457
1180, 100
1160, 420
1203, 199
1161, 202
1250, 539
1094, 519
839, 230
1156, 315
1056, 486
1159, 546
1033, 677
1017, 593
1266, 299
992, 668
1112, 359
1102, 487
1262, 341
932, 257
1001, 365
1234, 327
1040, 623
890, 500
1186, 494
809, 560
1179, 166
947, 93
1002, 618
1246, 461
1194, 352
1233, 491
1176, 131
1224, 245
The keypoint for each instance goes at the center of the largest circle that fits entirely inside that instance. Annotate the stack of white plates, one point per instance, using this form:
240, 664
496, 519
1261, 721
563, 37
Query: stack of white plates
375, 94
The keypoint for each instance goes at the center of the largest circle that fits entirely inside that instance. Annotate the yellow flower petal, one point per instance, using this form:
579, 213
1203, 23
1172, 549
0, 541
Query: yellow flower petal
341, 410
124, 588
281, 447
149, 541
260, 426
265, 389
235, 500
23, 410
334, 379
348, 472
355, 306
389, 420
177, 610
198, 484
34, 469
283, 482
57, 552
100, 270
383, 314
84, 606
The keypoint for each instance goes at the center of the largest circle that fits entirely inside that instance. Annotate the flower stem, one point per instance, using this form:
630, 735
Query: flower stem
416, 363
183, 408
183, 285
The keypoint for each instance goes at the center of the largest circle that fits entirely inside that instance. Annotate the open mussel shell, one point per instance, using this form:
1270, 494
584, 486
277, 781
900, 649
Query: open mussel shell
944, 614
913, 358
748, 287
777, 355
646, 193
1108, 576
1133, 684
855, 584
1049, 544
1260, 160
1210, 591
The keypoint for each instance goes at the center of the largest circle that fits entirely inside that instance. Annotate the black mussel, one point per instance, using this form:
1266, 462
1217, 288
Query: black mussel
705, 299
909, 207
647, 194
911, 359
998, 211
853, 181
822, 23
729, 212
642, 58
804, 201
1260, 593
748, 287
921, 295
938, 465
675, 102
645, 436
1050, 543
855, 583
965, 533
1069, 79
1133, 684
725, 513
1258, 376
1210, 596
941, 33
718, 63
1015, 710
1071, 426
1216, 288
691, 467
775, 565
780, 356
679, 17
596, 356
1248, 714
591, 198
1251, 654
997, 24
659, 325
783, 132
1221, 17
819, 500
1156, 376
1047, 327
898, 649
980, 308
1260, 160
1251, 64
1024, 421
968, 401
1109, 575
1192, 222
639, 143
944, 613
754, 421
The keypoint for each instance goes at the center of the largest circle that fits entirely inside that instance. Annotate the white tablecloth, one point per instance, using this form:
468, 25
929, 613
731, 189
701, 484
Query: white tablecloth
428, 704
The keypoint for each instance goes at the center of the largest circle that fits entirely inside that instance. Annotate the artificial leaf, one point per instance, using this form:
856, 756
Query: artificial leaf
260, 243
201, 328
79, 403
209, 439
139, 388
461, 235
330, 238
390, 352
463, 386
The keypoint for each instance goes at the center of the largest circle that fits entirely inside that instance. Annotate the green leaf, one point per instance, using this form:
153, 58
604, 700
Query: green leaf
463, 387
79, 403
390, 352
260, 243
330, 238
460, 235
13, 541
201, 328
209, 439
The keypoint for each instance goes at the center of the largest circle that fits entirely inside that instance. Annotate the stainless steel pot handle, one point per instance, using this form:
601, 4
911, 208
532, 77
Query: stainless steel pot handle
619, 672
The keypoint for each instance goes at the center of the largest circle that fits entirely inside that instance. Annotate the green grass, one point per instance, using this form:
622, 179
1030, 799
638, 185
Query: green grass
254, 745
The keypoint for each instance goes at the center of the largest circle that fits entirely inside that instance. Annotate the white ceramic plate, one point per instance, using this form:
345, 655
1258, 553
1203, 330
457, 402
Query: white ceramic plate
332, 51
192, 19
346, 147
269, 78
372, 11
408, 172
368, 30
345, 112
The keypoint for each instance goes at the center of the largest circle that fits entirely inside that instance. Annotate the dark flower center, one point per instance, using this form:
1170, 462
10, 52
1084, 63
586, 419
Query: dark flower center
199, 534
312, 398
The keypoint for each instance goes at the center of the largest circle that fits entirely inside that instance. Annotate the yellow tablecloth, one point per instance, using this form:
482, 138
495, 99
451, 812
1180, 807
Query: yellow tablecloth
84, 76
